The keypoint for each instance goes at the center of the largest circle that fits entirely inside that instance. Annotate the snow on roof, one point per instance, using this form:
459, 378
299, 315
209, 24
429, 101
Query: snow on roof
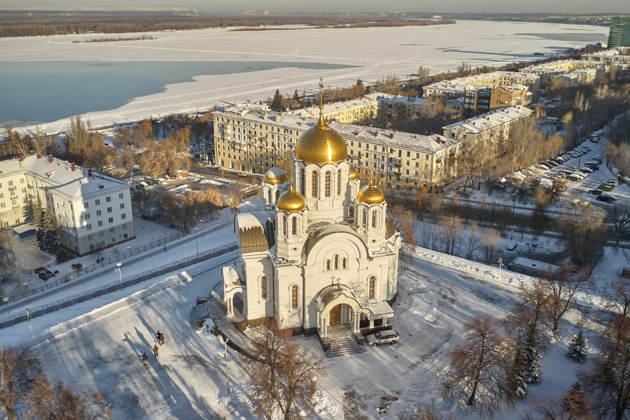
469, 82
414, 100
337, 107
391, 138
60, 177
491, 119
534, 264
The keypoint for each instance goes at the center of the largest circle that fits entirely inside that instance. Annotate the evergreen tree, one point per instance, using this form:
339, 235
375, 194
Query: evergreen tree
50, 237
517, 375
532, 355
574, 403
577, 348
277, 104
297, 99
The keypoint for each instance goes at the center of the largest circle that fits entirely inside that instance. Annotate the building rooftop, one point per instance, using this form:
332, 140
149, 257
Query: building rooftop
491, 119
72, 184
469, 82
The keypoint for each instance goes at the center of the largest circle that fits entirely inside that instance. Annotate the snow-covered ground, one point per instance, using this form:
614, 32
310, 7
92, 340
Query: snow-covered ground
96, 344
372, 52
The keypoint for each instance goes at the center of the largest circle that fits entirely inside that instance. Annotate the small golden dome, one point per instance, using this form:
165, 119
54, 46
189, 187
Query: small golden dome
321, 144
354, 174
274, 176
290, 201
371, 194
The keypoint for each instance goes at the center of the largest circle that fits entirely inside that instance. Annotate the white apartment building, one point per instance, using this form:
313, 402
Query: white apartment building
492, 127
360, 110
254, 140
558, 68
455, 88
93, 211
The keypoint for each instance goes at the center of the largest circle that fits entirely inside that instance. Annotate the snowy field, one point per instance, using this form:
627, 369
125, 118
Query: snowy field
96, 344
373, 53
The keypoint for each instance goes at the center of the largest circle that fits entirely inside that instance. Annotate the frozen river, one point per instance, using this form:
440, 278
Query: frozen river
173, 72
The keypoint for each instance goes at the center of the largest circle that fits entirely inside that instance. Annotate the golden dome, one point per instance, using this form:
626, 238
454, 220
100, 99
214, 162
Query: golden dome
274, 176
321, 144
354, 174
371, 194
291, 201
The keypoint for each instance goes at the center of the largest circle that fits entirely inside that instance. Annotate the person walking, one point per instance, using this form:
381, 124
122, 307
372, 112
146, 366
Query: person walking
162, 338
155, 351
145, 359
158, 337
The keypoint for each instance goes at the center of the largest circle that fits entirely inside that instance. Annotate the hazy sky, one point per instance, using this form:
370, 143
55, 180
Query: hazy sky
216, 6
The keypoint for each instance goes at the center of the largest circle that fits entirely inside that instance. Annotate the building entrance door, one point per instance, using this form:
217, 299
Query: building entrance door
335, 315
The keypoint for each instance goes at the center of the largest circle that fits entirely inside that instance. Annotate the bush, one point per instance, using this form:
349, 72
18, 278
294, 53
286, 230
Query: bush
64, 255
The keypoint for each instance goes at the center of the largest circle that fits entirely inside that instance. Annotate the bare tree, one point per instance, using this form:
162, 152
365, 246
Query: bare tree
562, 285
405, 222
619, 217
450, 232
489, 240
532, 315
472, 240
57, 401
18, 371
480, 364
282, 373
573, 405
583, 231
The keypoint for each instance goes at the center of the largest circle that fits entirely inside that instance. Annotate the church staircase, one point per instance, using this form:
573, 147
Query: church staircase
342, 342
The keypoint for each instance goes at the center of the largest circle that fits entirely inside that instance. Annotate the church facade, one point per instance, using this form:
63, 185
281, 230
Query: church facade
322, 254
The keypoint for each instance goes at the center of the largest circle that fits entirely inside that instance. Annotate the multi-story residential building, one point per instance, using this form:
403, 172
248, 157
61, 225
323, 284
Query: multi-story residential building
481, 100
557, 68
255, 140
360, 111
455, 88
619, 35
92, 211
617, 58
492, 127
396, 107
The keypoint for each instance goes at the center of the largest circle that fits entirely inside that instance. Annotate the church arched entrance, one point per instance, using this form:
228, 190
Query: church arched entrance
341, 315
237, 303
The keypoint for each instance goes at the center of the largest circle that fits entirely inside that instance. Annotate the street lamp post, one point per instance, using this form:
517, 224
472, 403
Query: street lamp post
119, 272
500, 267
28, 316
197, 241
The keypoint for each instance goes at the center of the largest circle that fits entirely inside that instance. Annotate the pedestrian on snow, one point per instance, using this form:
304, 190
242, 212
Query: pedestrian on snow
155, 351
162, 338
158, 336
145, 358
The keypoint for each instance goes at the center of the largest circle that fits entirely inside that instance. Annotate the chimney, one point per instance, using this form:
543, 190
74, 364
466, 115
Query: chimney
50, 158
74, 167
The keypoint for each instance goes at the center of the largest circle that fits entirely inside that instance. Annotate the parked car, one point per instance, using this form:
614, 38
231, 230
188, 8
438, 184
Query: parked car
382, 337
595, 192
551, 163
572, 168
574, 177
605, 187
606, 198
612, 181
565, 172
587, 170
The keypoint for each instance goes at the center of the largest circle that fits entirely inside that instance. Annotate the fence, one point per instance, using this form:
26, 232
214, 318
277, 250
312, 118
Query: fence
16, 318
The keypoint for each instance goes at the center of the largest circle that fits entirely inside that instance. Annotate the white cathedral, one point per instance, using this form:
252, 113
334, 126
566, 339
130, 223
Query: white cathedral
323, 253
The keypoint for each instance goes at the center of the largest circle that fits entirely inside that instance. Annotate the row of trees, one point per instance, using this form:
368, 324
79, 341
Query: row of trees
24, 388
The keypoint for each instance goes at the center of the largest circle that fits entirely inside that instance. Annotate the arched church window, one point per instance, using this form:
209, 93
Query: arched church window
277, 195
314, 184
294, 296
294, 226
302, 181
339, 182
263, 287
365, 218
374, 219
327, 265
351, 212
327, 184
344, 263
281, 224
372, 284
336, 262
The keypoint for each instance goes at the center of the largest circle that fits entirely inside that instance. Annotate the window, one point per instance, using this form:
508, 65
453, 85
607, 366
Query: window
336, 262
91, 247
89, 226
100, 223
113, 240
10, 183
109, 209
98, 212
108, 199
90, 236
327, 265
111, 230
374, 219
294, 226
314, 184
344, 263
365, 217
294, 296
87, 216
110, 220
327, 184
302, 181
263, 287
21, 180
123, 216
122, 205
372, 282
125, 236
124, 226
121, 195
339, 182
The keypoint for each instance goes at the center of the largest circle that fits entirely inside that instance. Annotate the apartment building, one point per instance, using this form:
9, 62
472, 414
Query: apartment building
492, 127
92, 211
481, 100
254, 140
396, 107
558, 68
363, 110
455, 88
619, 35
